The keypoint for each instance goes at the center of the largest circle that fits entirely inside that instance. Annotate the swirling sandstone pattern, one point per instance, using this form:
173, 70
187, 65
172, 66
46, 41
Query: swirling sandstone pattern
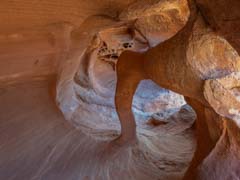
135, 62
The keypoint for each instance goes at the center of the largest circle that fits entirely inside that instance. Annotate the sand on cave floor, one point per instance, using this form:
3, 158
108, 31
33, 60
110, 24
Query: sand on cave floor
36, 143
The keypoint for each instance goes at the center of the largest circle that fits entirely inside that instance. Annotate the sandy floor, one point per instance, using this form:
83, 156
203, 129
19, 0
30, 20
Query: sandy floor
37, 143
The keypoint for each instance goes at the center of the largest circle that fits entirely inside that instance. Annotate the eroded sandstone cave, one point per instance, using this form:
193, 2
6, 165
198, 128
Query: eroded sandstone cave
120, 90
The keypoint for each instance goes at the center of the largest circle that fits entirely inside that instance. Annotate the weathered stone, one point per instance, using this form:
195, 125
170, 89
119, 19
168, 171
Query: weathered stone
104, 55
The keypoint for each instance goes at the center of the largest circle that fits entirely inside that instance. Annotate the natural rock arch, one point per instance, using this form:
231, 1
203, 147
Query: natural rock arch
171, 64
182, 58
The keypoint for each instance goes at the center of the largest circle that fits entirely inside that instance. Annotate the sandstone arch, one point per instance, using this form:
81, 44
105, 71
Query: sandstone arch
99, 48
176, 70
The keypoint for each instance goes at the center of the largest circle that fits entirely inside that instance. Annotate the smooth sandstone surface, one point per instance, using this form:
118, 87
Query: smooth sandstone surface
37, 143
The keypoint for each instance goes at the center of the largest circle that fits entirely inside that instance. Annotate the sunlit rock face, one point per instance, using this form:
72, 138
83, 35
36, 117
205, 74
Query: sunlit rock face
155, 20
224, 23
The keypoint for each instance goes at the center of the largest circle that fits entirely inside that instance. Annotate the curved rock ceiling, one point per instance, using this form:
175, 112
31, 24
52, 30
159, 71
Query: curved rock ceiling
149, 88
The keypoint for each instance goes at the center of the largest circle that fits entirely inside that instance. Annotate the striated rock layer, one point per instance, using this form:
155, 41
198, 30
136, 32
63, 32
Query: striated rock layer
37, 143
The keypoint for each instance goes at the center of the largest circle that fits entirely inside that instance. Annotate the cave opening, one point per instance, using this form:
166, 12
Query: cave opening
82, 97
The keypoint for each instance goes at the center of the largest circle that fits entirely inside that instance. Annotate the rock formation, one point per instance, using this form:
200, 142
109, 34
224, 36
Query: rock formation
130, 78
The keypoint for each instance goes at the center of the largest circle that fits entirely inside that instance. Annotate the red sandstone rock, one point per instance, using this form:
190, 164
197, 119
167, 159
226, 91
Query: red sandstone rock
104, 55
